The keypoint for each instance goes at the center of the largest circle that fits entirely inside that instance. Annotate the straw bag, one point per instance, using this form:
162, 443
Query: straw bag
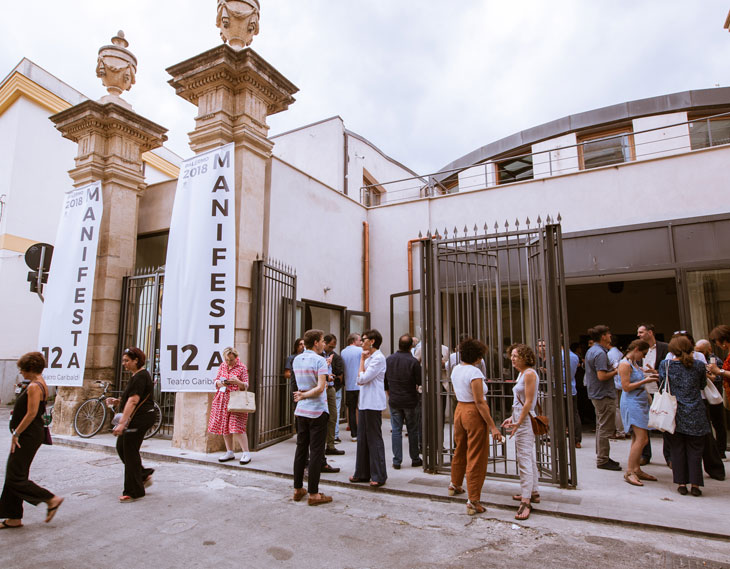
663, 409
242, 402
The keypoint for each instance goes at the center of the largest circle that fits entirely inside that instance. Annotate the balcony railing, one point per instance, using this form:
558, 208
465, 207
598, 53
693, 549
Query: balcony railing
624, 147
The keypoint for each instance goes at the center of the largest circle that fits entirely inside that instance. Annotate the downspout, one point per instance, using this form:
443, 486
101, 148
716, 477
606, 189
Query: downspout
366, 266
346, 169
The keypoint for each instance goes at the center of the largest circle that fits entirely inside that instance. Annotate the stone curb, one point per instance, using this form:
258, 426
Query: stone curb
75, 442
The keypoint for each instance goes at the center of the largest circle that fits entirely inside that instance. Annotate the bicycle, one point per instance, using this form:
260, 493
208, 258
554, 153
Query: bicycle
91, 415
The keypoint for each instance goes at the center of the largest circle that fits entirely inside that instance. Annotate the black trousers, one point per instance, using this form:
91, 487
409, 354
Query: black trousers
128, 445
577, 425
686, 455
717, 419
370, 457
351, 400
311, 440
711, 457
18, 486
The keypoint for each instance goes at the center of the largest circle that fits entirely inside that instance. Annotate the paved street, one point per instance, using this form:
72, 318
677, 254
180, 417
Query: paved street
198, 515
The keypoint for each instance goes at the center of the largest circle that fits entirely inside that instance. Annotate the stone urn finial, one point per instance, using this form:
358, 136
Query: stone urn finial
238, 21
117, 68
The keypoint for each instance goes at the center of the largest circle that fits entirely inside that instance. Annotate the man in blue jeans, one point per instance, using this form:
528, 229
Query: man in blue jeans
402, 378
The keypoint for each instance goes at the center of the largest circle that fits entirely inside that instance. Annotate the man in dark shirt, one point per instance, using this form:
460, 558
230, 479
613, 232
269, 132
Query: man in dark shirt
402, 379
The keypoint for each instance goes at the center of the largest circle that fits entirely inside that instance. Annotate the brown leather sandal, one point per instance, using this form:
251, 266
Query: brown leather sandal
524, 507
633, 479
534, 498
474, 507
641, 475
454, 490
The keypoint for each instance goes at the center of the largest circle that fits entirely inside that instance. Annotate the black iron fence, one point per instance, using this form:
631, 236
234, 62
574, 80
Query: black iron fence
501, 287
273, 333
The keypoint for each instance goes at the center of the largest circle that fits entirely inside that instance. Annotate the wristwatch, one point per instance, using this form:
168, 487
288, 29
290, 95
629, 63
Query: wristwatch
14, 433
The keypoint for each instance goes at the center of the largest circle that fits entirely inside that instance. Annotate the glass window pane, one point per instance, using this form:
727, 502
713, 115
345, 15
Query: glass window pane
514, 170
709, 300
151, 251
606, 151
704, 134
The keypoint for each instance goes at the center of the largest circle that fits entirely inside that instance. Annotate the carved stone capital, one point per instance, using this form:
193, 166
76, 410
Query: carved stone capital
233, 90
111, 140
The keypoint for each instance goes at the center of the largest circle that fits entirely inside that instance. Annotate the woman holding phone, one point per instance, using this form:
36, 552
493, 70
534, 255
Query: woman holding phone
232, 376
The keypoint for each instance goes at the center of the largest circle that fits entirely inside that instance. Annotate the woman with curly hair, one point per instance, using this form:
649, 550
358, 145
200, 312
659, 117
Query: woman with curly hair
27, 436
686, 378
472, 420
520, 426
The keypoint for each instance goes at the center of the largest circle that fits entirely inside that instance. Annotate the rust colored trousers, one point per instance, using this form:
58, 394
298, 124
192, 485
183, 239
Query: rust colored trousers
472, 449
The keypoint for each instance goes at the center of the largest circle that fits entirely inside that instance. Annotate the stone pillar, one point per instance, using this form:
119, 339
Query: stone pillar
235, 91
111, 140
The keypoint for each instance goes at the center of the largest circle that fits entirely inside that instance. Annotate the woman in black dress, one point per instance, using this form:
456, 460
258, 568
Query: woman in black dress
138, 415
27, 436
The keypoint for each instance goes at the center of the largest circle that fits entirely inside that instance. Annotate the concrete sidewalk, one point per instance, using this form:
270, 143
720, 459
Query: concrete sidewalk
601, 495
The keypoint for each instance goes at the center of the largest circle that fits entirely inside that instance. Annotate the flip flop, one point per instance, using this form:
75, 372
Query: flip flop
524, 506
5, 525
51, 512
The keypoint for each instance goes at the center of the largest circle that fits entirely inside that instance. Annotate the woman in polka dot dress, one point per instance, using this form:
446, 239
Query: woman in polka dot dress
232, 376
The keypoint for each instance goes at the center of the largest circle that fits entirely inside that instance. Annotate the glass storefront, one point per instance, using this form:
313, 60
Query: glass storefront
709, 300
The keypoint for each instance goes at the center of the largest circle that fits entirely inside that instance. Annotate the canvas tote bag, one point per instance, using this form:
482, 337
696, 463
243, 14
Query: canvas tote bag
242, 402
663, 409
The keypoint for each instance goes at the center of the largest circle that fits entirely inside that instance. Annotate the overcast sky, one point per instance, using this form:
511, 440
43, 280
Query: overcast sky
426, 81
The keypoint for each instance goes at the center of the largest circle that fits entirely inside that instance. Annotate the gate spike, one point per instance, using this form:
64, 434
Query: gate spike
548, 220
486, 228
428, 234
456, 231
420, 235
475, 229
527, 221
517, 223
539, 221
436, 235
496, 226
506, 225
560, 218
446, 233
465, 230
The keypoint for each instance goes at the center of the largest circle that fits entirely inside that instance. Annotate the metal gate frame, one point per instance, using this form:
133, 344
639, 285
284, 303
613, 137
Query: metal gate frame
139, 325
272, 335
465, 281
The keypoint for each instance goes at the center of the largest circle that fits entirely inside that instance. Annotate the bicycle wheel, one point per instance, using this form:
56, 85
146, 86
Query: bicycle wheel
89, 418
155, 428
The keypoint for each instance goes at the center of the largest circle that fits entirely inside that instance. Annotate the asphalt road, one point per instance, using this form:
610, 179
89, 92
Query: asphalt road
202, 516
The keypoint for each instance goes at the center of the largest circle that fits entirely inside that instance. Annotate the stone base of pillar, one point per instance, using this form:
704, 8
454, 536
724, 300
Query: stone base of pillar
65, 405
191, 424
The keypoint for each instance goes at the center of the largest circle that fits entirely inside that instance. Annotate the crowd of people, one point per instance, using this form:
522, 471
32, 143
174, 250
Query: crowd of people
619, 384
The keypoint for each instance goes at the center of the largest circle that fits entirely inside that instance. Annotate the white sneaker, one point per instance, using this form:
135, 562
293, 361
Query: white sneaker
226, 457
245, 458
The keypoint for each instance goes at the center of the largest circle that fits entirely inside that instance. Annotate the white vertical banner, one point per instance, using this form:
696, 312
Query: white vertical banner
64, 333
198, 304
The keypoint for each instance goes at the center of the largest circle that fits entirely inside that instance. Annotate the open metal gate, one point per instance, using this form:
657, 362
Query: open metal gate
273, 332
139, 325
502, 288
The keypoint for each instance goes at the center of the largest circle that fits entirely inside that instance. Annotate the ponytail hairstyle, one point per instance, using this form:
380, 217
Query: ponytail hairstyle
682, 348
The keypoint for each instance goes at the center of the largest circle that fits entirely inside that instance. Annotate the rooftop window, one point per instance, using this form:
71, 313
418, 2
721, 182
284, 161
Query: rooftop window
606, 149
710, 132
514, 169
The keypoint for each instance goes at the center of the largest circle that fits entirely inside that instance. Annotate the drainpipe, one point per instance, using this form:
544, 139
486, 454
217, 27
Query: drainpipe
366, 266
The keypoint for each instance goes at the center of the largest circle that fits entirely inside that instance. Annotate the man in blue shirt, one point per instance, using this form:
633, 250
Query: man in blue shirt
602, 393
351, 357
311, 414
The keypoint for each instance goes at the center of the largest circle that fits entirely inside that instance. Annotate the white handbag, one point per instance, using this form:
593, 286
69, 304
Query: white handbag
713, 396
242, 402
663, 409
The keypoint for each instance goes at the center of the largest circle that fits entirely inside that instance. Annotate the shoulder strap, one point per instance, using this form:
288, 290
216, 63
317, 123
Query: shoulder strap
138, 406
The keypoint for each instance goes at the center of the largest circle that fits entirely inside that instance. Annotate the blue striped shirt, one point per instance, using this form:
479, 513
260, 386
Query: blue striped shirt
308, 366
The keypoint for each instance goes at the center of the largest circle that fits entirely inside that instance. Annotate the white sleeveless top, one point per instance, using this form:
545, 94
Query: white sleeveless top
519, 390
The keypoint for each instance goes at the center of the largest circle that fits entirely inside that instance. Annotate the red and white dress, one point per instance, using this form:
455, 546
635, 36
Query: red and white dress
221, 422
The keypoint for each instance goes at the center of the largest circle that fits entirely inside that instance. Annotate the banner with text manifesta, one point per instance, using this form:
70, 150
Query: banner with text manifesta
198, 304
64, 333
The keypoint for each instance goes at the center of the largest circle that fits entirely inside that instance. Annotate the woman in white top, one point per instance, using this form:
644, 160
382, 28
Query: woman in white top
471, 421
520, 426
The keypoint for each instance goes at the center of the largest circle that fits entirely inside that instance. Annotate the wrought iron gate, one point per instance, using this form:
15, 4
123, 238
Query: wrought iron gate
273, 333
502, 288
139, 325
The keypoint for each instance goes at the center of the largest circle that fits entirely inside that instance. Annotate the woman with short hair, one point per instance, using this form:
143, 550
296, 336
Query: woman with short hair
232, 376
635, 408
523, 404
138, 415
472, 424
686, 378
27, 435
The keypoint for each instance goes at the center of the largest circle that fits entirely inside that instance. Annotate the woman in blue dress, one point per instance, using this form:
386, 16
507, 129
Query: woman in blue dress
635, 408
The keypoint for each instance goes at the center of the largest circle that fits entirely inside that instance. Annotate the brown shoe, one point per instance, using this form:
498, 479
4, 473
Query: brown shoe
314, 501
578, 445
299, 493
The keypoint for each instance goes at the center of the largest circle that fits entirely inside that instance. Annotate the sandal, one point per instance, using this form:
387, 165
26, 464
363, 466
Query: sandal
633, 479
51, 512
641, 475
375, 484
474, 507
5, 525
126, 499
356, 480
454, 490
534, 498
524, 507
